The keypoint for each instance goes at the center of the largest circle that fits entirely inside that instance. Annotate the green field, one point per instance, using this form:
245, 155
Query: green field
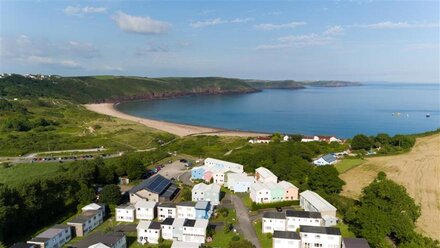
347, 164
15, 175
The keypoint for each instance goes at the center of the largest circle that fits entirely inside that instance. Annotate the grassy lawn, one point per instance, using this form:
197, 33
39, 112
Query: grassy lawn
265, 241
14, 175
348, 163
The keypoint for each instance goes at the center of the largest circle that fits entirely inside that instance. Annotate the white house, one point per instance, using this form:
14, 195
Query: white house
148, 232
239, 182
205, 192
286, 138
261, 140
217, 163
125, 213
186, 210
167, 228
86, 222
94, 206
54, 237
295, 219
260, 193
219, 175
264, 175
318, 236
273, 221
195, 231
310, 201
145, 210
286, 239
309, 138
166, 210
328, 159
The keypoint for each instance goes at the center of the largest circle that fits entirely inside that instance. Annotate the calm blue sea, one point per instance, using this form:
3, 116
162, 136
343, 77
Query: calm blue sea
343, 112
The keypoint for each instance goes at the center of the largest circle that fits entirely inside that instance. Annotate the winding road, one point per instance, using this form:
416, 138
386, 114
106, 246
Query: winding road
244, 223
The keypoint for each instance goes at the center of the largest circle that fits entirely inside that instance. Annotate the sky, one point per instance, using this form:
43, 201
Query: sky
357, 40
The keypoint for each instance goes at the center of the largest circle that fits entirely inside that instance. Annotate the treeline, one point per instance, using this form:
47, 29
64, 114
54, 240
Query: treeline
383, 142
385, 215
36, 204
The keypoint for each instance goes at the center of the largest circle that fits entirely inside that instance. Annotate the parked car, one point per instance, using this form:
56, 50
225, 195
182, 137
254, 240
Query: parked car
279, 209
183, 160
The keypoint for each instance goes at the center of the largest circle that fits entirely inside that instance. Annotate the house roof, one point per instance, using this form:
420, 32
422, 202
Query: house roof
178, 222
108, 239
93, 206
84, 217
170, 191
126, 206
240, 177
167, 205
264, 172
285, 235
38, 240
168, 221
355, 243
259, 186
206, 187
303, 214
52, 232
22, 245
320, 229
186, 204
145, 204
202, 205
189, 223
274, 215
263, 138
156, 184
329, 158
317, 201
201, 223
154, 225
286, 185
143, 224
182, 244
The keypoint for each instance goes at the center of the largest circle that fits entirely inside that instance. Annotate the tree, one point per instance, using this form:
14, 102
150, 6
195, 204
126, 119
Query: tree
242, 243
186, 194
326, 179
385, 211
110, 194
86, 194
383, 139
135, 169
361, 141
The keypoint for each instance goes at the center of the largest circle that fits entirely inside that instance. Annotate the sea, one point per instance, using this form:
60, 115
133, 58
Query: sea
393, 108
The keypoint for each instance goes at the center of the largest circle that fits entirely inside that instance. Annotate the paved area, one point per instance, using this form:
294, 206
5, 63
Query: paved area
244, 223
173, 170
185, 178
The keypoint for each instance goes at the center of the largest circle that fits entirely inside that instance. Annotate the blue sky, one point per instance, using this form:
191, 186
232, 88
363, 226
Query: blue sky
302, 40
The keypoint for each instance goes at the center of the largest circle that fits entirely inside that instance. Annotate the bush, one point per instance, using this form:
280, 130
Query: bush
258, 206
224, 212
235, 238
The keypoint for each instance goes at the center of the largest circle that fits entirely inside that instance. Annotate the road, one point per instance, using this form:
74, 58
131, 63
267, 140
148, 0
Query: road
244, 223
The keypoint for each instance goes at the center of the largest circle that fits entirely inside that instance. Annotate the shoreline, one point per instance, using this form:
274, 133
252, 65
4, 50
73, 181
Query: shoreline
180, 130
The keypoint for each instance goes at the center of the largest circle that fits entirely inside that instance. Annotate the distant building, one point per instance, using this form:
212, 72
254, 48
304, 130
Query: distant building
264, 175
310, 201
148, 232
290, 191
260, 193
309, 138
355, 243
286, 239
215, 170
328, 159
166, 210
125, 213
184, 230
145, 210
317, 236
102, 240
327, 139
54, 237
261, 140
286, 138
295, 219
156, 188
204, 192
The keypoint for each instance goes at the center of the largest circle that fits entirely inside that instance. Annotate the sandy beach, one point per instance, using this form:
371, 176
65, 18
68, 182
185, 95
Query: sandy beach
174, 128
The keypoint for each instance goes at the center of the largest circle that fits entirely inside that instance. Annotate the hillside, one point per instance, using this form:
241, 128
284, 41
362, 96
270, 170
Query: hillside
417, 170
291, 84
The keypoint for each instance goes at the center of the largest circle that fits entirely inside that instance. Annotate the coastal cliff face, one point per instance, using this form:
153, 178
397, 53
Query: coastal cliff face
98, 89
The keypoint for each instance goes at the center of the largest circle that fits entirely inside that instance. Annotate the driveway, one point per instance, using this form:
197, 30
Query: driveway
244, 223
173, 170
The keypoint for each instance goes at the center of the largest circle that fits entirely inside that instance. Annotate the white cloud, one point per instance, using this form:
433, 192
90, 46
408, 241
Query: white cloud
51, 61
85, 50
334, 31
395, 25
139, 24
270, 26
80, 11
217, 21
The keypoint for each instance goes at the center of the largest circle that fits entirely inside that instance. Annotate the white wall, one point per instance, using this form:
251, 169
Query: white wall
270, 225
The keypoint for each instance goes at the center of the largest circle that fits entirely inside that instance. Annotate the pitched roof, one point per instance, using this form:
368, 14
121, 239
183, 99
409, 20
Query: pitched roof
286, 185
285, 235
93, 206
108, 239
317, 201
168, 221
202, 205
186, 204
206, 187
264, 172
201, 223
156, 184
274, 215
143, 224
355, 243
170, 191
329, 158
53, 231
189, 223
167, 205
145, 204
303, 214
84, 217
154, 225
126, 206
320, 229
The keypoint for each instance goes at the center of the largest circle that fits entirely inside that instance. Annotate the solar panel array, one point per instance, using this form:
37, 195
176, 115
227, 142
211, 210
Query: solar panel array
158, 184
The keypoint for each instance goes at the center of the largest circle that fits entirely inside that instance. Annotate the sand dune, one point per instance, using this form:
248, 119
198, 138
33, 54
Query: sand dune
174, 128
417, 170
